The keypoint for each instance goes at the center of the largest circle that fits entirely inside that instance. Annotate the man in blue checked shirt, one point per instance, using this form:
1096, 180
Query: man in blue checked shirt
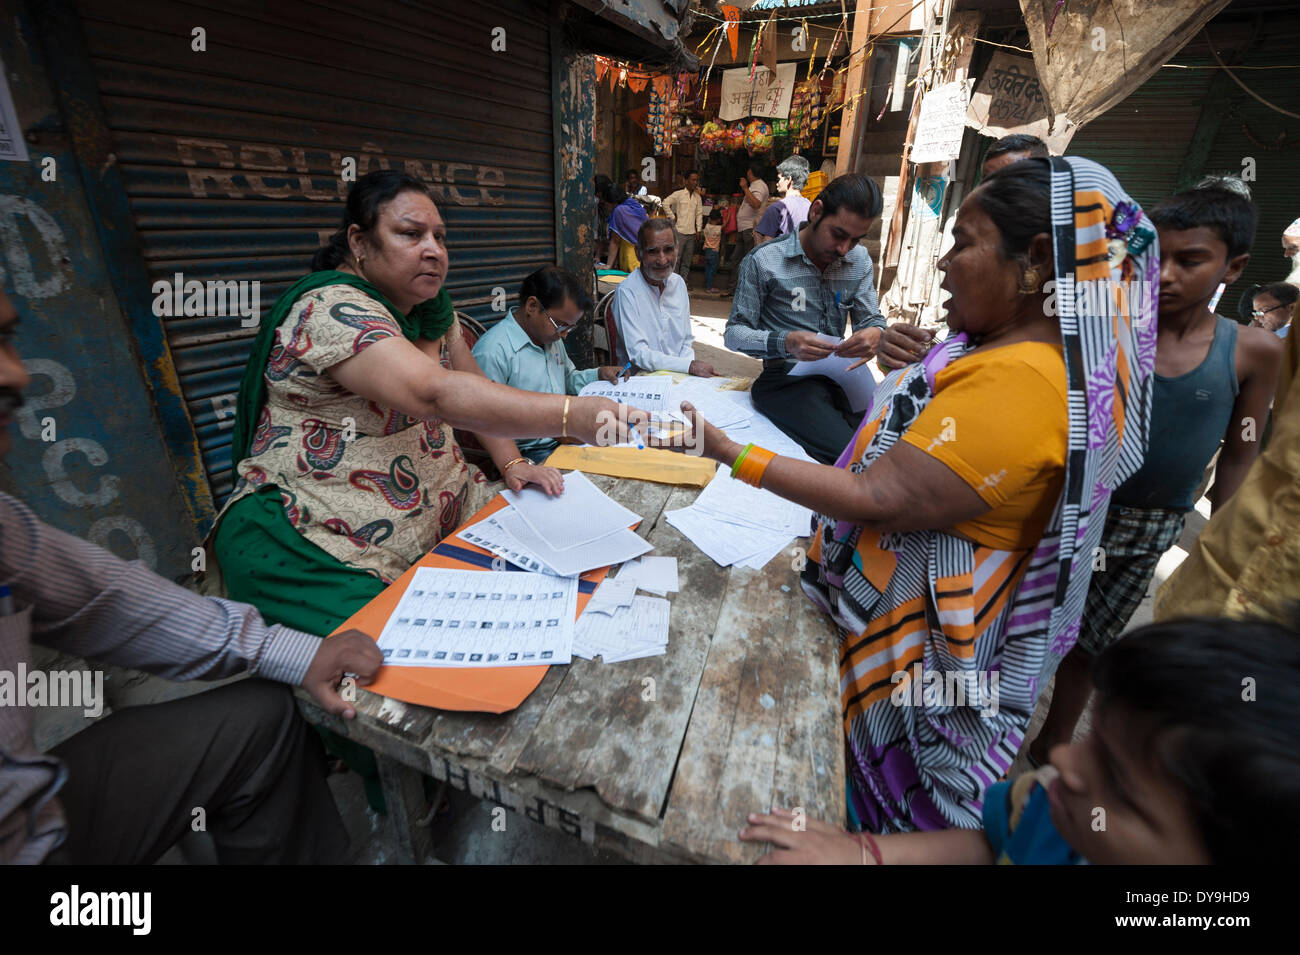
813, 281
126, 788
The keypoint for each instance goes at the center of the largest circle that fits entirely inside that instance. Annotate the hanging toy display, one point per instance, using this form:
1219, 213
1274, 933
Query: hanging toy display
805, 112
712, 135
735, 136
658, 125
758, 136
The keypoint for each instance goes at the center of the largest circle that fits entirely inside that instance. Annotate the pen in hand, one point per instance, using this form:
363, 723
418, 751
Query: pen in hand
626, 372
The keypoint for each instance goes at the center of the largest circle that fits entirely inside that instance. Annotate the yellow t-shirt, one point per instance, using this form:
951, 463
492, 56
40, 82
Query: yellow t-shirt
1000, 420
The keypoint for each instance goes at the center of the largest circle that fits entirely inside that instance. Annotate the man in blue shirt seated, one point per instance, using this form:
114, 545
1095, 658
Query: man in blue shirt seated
524, 349
816, 280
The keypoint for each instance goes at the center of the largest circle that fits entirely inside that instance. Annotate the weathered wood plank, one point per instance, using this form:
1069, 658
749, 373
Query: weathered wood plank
756, 683
810, 745
600, 731
630, 761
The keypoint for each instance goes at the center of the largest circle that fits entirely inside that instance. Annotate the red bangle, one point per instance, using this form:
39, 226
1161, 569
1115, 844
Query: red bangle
867, 842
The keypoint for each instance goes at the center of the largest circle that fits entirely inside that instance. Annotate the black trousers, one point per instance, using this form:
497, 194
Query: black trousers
240, 753
814, 411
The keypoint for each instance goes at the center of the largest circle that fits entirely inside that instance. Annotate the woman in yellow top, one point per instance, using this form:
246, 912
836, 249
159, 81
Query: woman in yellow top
955, 533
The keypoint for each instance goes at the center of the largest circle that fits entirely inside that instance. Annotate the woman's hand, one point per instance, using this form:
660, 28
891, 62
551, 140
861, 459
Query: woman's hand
819, 843
525, 472
702, 439
902, 344
604, 422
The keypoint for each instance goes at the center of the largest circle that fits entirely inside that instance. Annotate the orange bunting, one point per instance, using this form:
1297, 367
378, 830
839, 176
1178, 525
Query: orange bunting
732, 15
602, 65
637, 81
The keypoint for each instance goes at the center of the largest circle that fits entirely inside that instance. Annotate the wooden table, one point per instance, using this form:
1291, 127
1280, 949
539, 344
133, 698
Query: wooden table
659, 759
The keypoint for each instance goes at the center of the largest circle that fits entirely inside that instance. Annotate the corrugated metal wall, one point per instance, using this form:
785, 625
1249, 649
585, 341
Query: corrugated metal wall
1144, 138
1250, 130
231, 156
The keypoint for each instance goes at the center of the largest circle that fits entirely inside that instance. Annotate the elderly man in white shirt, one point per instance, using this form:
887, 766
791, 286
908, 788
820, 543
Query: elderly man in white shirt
685, 208
652, 309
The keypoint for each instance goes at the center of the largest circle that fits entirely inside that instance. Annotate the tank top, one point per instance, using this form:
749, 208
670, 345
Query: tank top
1189, 415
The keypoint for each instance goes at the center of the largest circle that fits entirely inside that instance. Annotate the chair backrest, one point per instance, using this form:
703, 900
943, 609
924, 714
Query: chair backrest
605, 317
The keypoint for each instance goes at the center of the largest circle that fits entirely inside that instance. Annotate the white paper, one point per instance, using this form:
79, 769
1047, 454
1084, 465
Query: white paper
611, 595
621, 545
739, 503
725, 543
941, 123
647, 392
654, 575
491, 536
858, 384
760, 430
639, 630
580, 515
474, 618
760, 93
763, 558
711, 404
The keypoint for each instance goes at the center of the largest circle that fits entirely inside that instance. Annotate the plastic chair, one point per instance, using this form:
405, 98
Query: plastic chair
606, 322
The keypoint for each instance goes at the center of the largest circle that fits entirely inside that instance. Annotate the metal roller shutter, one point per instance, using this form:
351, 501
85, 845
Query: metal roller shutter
1144, 138
230, 157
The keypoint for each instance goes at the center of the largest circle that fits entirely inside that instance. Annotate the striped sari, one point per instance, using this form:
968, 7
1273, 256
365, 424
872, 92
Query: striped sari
994, 624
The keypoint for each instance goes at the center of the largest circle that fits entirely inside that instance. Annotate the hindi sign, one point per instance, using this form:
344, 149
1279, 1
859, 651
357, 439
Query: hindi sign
767, 95
1010, 100
941, 123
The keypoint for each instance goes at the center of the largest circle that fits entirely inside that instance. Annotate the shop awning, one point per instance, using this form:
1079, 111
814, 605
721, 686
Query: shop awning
648, 31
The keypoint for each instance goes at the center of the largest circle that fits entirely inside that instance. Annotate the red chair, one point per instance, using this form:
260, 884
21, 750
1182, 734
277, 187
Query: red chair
607, 323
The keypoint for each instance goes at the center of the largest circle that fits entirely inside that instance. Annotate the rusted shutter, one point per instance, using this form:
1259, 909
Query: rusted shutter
231, 155
1145, 138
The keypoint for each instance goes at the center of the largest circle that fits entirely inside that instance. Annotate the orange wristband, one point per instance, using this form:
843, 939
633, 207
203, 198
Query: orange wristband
755, 463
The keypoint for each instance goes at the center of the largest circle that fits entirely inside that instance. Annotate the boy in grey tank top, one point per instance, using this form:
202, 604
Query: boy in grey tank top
1213, 383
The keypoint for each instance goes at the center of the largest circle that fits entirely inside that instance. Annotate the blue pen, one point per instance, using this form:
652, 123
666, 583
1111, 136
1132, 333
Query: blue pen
637, 435
626, 369
6, 601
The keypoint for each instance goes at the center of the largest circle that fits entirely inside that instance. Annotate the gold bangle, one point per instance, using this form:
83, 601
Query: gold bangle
564, 424
509, 464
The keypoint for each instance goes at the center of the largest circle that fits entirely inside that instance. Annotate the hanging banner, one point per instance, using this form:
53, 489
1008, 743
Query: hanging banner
637, 81
602, 65
768, 94
941, 123
1008, 99
732, 16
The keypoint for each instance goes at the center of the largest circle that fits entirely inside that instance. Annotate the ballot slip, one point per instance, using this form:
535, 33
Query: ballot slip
630, 633
474, 618
647, 392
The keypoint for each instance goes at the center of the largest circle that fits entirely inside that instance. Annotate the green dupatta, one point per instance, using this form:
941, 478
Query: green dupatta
429, 319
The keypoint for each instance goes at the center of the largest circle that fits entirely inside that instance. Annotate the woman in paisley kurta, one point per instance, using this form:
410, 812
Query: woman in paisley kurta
348, 471
347, 468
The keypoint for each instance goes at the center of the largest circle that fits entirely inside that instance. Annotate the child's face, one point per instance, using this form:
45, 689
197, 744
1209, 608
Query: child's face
1115, 805
1192, 264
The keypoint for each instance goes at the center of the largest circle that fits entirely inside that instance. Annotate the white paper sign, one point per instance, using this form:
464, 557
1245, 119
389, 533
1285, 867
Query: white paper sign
12, 146
767, 95
941, 124
1009, 99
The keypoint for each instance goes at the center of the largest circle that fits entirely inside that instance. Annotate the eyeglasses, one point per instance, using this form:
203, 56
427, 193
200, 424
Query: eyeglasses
561, 330
1261, 312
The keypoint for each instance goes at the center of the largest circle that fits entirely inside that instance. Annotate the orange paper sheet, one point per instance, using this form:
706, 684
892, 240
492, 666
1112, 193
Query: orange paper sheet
487, 689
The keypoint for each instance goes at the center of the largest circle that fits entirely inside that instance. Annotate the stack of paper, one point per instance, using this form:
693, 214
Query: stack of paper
654, 575
712, 405
566, 535
468, 618
630, 633
734, 523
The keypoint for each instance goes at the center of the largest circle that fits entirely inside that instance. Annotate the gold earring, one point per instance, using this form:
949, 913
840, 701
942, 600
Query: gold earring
1029, 282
